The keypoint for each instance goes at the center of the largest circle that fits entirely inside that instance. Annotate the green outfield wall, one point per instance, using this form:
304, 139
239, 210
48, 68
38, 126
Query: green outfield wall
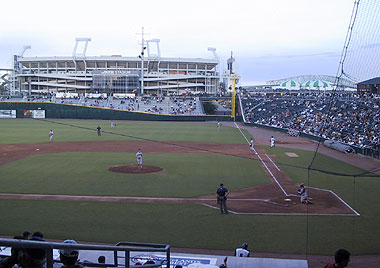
69, 111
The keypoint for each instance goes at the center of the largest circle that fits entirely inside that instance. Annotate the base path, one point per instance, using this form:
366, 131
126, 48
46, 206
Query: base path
265, 199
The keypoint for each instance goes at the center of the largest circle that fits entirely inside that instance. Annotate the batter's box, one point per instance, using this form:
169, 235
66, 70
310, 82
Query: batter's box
292, 154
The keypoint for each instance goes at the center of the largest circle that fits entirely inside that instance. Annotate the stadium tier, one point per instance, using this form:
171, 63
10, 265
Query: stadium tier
114, 74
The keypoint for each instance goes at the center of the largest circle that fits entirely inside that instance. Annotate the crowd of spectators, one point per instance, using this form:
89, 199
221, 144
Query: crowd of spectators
181, 105
344, 117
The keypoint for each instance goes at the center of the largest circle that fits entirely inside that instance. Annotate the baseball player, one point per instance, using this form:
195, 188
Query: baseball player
251, 146
139, 157
99, 131
51, 134
303, 192
272, 142
112, 124
218, 125
243, 251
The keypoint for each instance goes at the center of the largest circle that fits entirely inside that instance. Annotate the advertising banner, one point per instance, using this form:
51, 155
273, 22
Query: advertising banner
34, 113
7, 113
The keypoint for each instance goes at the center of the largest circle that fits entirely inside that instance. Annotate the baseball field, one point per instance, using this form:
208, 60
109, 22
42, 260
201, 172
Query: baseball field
67, 188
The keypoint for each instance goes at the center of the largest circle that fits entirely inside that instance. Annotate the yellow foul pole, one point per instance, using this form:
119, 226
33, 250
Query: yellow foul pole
233, 96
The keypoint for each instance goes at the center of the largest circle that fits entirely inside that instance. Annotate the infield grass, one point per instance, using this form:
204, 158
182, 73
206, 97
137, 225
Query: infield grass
184, 175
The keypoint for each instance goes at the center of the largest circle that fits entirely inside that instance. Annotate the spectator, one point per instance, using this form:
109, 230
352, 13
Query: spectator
342, 258
69, 256
9, 262
102, 259
38, 234
32, 257
26, 235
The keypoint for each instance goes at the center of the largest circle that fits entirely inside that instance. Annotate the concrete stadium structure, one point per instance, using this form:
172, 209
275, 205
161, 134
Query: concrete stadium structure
151, 74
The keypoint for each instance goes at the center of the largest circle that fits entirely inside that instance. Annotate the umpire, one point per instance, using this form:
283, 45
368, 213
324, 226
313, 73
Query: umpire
221, 195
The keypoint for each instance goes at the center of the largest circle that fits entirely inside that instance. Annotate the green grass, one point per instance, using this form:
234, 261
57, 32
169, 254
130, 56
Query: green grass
185, 225
35, 131
185, 175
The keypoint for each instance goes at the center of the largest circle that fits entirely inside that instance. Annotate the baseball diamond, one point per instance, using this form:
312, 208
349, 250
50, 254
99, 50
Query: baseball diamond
183, 165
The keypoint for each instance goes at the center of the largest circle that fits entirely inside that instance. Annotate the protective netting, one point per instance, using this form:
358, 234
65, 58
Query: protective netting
361, 53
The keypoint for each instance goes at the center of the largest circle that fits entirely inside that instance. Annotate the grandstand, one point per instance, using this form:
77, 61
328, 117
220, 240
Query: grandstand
79, 73
348, 118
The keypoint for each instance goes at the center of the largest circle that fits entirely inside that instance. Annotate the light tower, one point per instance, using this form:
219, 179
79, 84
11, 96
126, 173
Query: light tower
141, 56
77, 40
216, 57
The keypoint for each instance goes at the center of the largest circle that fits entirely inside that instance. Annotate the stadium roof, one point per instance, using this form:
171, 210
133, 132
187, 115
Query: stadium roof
374, 81
313, 78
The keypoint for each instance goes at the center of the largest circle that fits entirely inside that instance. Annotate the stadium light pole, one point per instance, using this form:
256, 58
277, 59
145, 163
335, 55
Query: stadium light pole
141, 56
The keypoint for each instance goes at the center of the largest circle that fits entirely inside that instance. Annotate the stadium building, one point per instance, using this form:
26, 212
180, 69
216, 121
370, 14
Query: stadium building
79, 73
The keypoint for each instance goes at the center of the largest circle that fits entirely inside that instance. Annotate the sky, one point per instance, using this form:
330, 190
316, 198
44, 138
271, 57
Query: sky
270, 39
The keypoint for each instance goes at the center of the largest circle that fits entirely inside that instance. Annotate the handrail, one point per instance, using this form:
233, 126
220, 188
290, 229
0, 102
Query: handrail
126, 247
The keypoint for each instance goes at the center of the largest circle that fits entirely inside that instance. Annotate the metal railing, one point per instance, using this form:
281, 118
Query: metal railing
125, 247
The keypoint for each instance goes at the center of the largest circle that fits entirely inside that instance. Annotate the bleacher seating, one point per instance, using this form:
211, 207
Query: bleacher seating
346, 118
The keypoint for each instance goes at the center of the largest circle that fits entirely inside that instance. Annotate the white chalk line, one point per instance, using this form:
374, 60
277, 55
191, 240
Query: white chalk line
353, 210
337, 196
266, 167
278, 214
102, 198
274, 164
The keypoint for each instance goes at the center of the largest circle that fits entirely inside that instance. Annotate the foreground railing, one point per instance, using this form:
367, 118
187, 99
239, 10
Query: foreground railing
121, 247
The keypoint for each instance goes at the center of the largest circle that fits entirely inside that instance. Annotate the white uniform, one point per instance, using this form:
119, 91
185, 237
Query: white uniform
51, 134
251, 146
241, 252
272, 142
139, 158
112, 124
218, 125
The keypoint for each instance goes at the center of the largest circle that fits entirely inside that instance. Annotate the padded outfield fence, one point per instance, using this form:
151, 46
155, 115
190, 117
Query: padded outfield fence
70, 111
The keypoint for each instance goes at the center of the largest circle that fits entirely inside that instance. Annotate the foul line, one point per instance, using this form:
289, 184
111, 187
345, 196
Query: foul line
262, 161
274, 164
279, 214
112, 198
337, 196
279, 185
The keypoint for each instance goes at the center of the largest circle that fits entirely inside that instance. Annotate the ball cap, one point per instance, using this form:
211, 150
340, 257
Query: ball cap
69, 252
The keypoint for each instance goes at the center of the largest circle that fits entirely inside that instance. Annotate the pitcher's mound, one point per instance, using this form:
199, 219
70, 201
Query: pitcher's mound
132, 169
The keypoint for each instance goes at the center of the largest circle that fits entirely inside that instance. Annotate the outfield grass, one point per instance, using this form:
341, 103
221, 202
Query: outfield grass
35, 131
181, 225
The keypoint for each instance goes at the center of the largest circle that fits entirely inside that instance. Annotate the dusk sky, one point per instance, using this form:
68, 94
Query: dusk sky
270, 39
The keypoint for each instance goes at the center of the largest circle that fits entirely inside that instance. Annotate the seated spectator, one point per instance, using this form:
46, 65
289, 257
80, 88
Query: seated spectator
32, 257
243, 251
342, 258
26, 235
9, 262
38, 234
102, 259
69, 256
